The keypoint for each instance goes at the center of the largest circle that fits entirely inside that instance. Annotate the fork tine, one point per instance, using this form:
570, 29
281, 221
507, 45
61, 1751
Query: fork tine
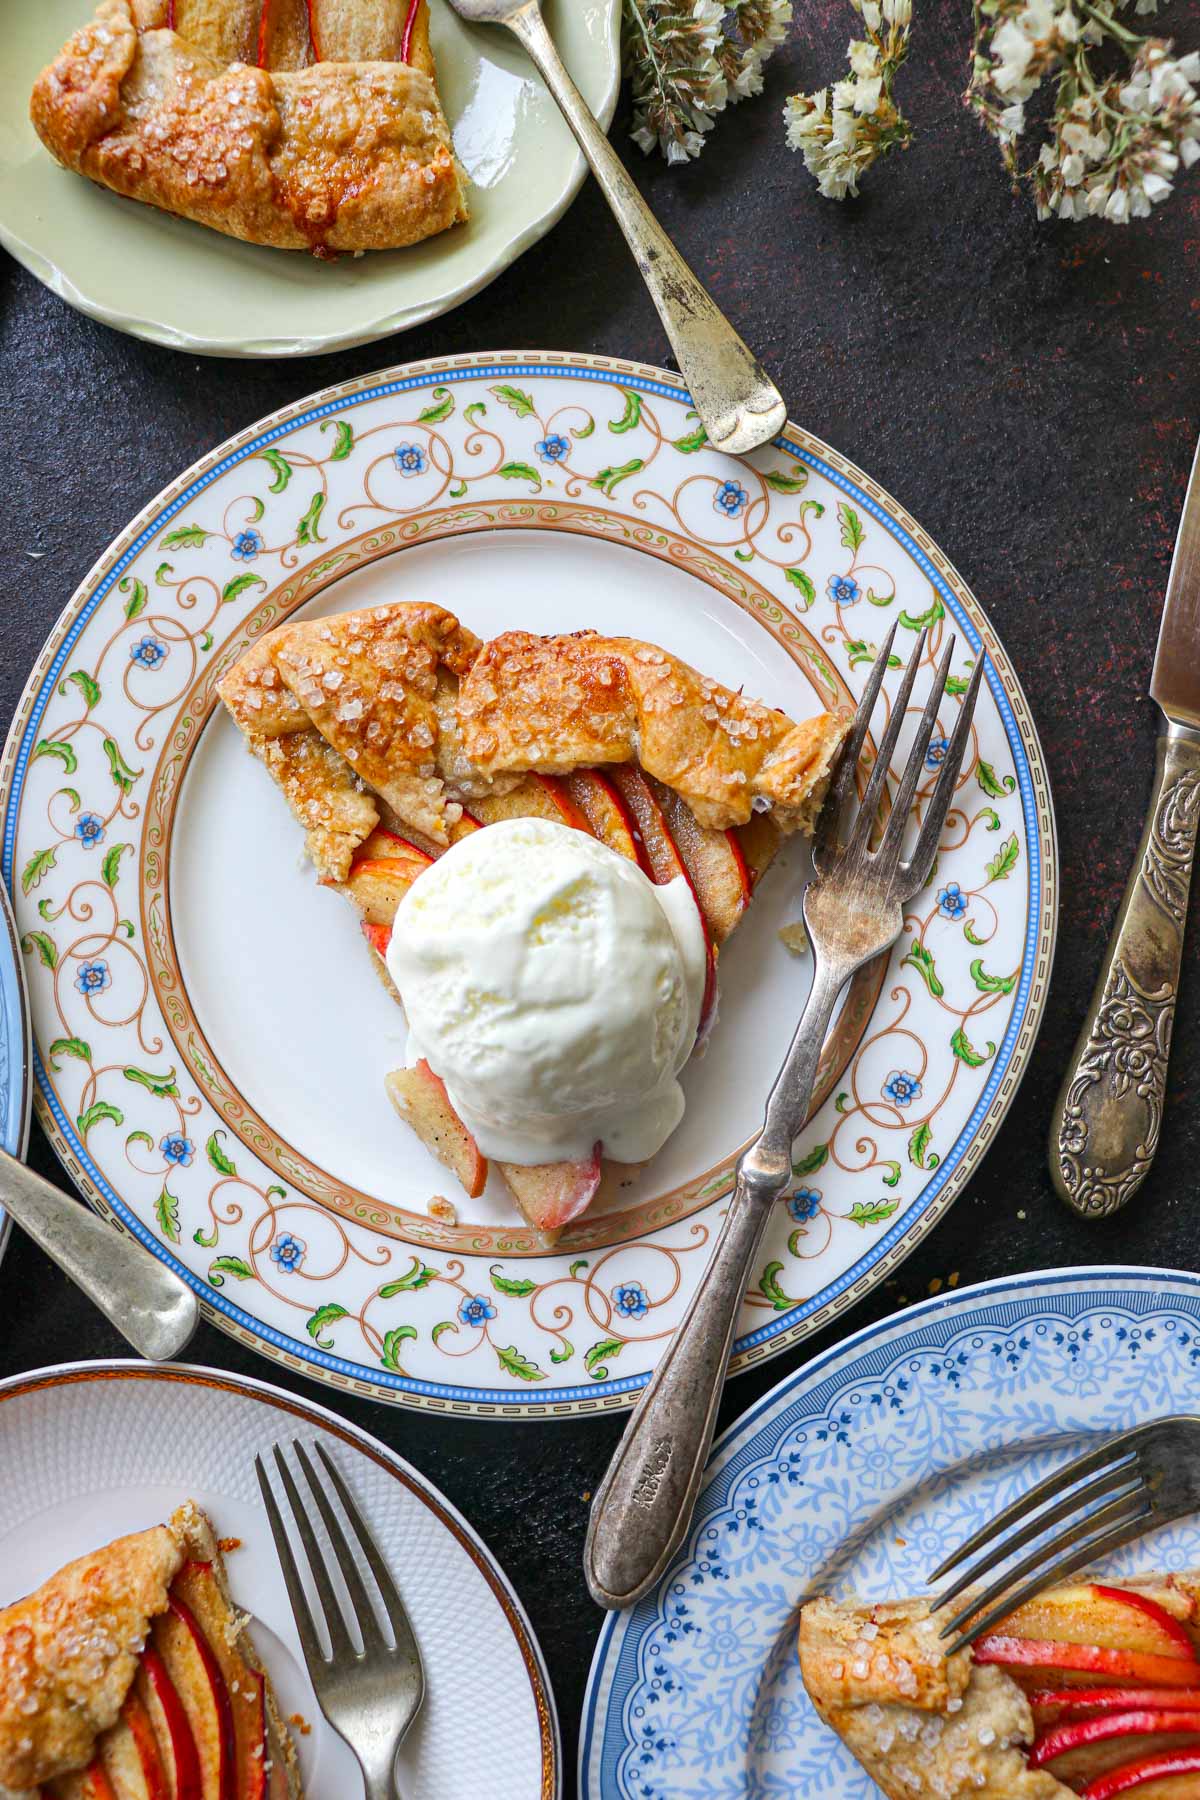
340, 1642
393, 1605
1002, 1547
310, 1643
839, 787
879, 774
360, 1600
993, 1604
893, 837
1126, 1532
1090, 1463
921, 860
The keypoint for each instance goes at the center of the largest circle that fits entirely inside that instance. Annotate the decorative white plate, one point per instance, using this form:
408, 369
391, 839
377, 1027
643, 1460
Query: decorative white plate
162, 278
211, 1040
855, 1475
93, 1450
16, 1084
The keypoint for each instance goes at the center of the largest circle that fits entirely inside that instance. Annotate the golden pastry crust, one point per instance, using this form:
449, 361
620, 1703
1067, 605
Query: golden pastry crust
427, 717
331, 157
321, 788
68, 1653
368, 682
559, 703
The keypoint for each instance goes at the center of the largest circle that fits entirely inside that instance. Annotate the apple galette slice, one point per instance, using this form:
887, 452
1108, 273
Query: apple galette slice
1089, 1689
394, 733
301, 126
131, 1675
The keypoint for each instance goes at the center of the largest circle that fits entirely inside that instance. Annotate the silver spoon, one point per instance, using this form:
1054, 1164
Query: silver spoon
739, 405
150, 1306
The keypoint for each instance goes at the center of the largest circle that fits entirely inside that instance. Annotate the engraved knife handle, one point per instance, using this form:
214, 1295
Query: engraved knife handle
1109, 1112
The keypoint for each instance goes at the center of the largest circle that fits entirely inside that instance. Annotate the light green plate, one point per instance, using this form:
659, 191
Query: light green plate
175, 283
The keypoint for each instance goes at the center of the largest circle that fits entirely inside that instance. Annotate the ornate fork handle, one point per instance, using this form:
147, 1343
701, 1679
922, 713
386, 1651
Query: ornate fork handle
740, 406
1109, 1112
644, 1505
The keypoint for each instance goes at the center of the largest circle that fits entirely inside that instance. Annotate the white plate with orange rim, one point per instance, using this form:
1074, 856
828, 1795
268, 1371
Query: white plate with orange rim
210, 1040
94, 1450
142, 271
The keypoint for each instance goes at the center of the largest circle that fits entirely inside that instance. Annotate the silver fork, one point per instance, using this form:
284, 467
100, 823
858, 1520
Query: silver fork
739, 405
370, 1695
1145, 1478
854, 910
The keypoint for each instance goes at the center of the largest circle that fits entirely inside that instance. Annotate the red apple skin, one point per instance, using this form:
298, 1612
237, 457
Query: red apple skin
1058, 1653
1077, 1732
378, 936
212, 1669
312, 32
186, 1757
142, 1731
1130, 1776
406, 36
1056, 1701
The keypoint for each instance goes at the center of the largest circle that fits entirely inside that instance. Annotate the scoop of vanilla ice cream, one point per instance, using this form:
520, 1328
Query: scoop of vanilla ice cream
554, 989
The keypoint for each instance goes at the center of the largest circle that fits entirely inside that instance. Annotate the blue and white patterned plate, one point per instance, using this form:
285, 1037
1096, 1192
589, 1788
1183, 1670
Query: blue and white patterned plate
15, 1086
854, 1475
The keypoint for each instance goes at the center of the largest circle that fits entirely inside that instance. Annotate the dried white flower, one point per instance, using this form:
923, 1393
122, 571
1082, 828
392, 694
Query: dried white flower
687, 65
1116, 139
841, 131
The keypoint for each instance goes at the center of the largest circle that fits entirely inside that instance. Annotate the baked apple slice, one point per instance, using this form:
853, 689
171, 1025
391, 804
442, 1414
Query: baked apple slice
172, 1727
607, 816
197, 1678
550, 1195
758, 840
1093, 1630
283, 35
228, 32
361, 30
381, 874
714, 861
131, 1757
420, 1098
661, 857
534, 797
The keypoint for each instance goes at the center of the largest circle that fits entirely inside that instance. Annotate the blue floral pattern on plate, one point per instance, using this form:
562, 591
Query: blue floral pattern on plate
854, 1474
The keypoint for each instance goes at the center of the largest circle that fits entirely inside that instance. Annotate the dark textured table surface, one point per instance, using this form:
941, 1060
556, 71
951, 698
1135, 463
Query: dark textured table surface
1031, 393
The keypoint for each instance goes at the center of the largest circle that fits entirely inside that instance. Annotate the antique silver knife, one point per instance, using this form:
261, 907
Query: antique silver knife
1109, 1113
